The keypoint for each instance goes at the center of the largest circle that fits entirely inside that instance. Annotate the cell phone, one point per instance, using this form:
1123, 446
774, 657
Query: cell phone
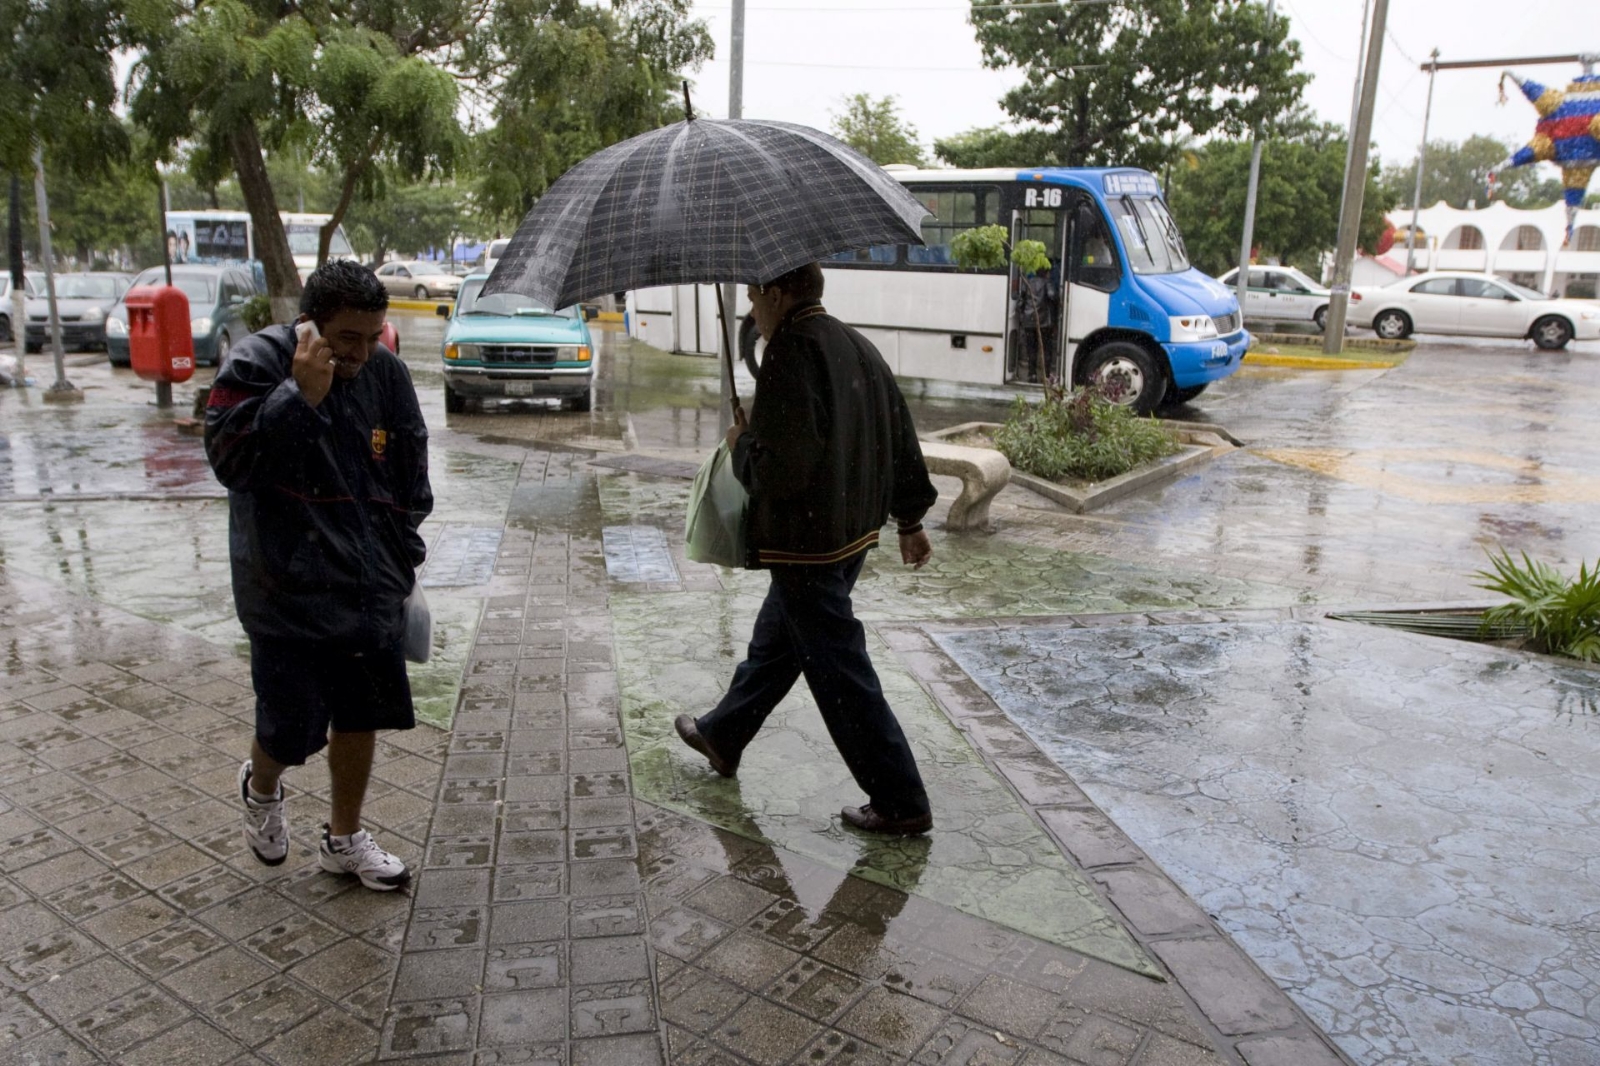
306, 330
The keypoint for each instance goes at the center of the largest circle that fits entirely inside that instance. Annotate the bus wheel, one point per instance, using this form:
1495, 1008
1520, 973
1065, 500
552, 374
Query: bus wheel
749, 340
1128, 375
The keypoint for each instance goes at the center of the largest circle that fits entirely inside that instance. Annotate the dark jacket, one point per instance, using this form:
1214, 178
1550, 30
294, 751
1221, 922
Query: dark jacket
324, 502
831, 452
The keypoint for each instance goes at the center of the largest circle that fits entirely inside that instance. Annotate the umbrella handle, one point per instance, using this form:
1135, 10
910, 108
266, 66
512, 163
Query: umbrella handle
727, 344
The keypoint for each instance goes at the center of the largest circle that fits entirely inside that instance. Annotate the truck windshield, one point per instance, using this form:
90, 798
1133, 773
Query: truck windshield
469, 302
1150, 235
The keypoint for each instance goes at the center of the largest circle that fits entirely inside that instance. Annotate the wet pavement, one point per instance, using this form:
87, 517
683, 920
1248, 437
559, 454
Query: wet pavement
1115, 712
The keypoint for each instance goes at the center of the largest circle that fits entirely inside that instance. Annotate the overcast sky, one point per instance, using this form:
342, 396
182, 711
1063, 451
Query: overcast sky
803, 56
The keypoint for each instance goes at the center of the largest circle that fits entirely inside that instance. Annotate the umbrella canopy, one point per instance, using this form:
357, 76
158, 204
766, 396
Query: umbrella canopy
703, 201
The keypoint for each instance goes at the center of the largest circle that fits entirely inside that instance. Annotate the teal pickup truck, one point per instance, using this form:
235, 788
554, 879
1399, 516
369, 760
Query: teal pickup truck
506, 347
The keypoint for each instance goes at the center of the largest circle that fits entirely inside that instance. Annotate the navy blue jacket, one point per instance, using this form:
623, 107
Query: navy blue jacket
324, 502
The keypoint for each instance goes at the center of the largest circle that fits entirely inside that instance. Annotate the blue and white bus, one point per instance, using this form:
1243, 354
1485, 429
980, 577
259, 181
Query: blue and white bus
1121, 303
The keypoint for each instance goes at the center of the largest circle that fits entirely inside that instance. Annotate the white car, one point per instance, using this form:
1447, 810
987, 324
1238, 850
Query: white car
1478, 305
418, 279
1282, 294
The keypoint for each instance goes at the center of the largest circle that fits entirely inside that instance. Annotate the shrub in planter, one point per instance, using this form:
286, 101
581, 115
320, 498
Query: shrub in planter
1555, 614
1080, 436
257, 313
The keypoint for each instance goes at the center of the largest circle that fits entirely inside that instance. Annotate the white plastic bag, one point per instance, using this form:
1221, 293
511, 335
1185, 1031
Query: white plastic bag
717, 507
418, 642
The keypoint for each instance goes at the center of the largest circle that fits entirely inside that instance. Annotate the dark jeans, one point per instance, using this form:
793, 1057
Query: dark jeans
806, 627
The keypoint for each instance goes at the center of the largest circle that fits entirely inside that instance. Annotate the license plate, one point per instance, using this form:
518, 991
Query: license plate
1219, 351
519, 388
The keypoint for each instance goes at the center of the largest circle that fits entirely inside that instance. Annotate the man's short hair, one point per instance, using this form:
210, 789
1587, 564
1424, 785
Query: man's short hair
803, 282
338, 285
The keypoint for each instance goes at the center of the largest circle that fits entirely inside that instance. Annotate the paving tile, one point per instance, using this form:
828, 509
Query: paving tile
529, 882
343, 967
54, 1048
214, 978
1008, 1005
1162, 1050
765, 1033
833, 1048
613, 1008
73, 868
1227, 986
962, 1043
414, 1029
97, 981
447, 927
608, 959
698, 1001
892, 1020
638, 1050
816, 989
440, 974
527, 848
328, 1038
606, 916
293, 939
748, 961
264, 1011
519, 967
1154, 905
530, 1016
603, 877
172, 947
48, 956
116, 1025
194, 1043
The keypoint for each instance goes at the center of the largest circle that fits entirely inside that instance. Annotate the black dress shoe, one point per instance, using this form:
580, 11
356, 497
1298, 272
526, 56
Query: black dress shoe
691, 736
870, 821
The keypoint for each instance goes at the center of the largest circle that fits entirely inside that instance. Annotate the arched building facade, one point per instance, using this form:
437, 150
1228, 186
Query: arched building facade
1524, 246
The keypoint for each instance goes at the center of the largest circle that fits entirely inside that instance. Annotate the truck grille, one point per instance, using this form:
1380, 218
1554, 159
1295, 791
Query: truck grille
1226, 324
520, 354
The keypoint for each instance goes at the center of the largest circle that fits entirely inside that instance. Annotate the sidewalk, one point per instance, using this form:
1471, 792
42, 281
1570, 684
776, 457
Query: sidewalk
559, 915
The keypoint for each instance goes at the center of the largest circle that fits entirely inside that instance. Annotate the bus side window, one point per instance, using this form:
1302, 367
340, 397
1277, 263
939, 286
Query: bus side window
1094, 263
954, 210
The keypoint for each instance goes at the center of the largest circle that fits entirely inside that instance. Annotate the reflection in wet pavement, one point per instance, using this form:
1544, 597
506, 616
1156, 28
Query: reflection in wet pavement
1400, 829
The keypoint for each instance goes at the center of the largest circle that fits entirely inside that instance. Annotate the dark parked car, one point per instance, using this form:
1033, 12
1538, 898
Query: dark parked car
216, 296
82, 302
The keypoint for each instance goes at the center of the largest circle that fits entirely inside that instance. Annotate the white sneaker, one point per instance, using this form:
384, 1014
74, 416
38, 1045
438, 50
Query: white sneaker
266, 830
377, 869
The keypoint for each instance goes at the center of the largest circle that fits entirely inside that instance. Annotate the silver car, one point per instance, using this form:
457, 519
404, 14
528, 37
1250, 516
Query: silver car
5, 301
418, 279
82, 302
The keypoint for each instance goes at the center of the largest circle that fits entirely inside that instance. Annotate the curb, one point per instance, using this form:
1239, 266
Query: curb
1307, 362
420, 305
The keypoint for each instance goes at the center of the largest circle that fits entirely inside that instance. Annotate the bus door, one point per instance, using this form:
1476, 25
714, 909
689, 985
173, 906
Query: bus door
1092, 275
1034, 304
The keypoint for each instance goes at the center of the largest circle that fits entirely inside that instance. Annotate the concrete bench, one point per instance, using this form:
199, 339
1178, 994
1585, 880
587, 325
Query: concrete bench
983, 472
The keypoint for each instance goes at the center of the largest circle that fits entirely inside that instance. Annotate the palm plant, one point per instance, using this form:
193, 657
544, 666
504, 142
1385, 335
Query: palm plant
1557, 615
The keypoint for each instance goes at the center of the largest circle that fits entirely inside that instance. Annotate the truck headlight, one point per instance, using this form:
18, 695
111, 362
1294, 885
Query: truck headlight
200, 327
1186, 329
462, 351
573, 353
115, 327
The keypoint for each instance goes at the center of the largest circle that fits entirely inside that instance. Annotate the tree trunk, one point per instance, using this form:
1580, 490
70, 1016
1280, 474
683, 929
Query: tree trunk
271, 241
352, 174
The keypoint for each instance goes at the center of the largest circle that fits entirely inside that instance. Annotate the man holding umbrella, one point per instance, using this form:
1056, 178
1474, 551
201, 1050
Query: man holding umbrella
828, 455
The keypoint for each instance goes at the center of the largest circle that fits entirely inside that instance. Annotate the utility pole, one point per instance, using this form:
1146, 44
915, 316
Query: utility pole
19, 298
1242, 282
729, 341
1355, 184
1422, 159
62, 390
1355, 92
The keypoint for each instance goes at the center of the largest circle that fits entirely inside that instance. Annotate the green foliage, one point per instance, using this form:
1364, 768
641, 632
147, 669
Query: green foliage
991, 146
1079, 436
409, 218
257, 313
568, 78
1559, 616
1297, 208
984, 248
58, 84
875, 129
980, 248
1115, 84
95, 214
1030, 258
1458, 174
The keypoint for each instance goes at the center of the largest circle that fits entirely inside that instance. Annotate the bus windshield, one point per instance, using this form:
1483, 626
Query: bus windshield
504, 304
304, 236
1149, 234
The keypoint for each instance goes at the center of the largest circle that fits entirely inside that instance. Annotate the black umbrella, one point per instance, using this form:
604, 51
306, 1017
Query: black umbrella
702, 201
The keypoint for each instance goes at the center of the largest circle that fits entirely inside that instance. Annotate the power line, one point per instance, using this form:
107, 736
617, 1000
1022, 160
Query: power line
1389, 33
1018, 5
1309, 32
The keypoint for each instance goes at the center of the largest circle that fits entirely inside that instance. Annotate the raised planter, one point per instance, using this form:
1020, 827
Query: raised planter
1199, 444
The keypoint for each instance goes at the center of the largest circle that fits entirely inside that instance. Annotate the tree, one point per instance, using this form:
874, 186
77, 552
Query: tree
1297, 207
408, 218
99, 215
563, 79
991, 146
1458, 174
875, 129
58, 84
1117, 84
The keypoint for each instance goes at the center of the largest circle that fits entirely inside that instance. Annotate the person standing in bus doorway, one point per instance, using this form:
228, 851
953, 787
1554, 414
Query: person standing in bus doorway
1034, 324
323, 449
828, 455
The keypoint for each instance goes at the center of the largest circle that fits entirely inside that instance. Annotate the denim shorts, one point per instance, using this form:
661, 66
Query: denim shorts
304, 688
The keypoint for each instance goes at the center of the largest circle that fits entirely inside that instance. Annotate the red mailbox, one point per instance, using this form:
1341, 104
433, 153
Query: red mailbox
160, 345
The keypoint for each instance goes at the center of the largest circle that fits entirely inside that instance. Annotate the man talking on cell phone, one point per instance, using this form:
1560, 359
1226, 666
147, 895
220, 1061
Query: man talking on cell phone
321, 444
